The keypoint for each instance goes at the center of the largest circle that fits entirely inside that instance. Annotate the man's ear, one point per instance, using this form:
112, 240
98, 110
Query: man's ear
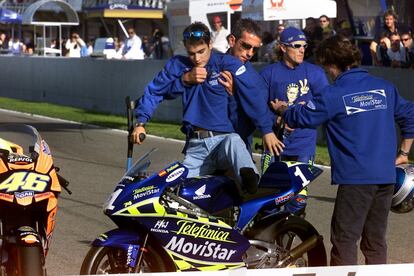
283, 48
232, 40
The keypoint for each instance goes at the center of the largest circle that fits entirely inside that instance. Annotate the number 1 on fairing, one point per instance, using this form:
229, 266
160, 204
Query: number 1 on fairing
299, 173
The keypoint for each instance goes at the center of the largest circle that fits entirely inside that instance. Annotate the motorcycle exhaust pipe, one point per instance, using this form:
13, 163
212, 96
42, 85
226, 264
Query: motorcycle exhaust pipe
301, 249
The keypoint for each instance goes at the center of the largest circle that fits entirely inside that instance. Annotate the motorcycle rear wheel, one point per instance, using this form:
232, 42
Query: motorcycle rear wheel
110, 260
296, 231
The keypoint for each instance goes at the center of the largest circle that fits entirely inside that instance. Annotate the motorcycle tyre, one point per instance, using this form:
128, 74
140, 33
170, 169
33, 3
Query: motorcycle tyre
96, 254
304, 230
31, 261
274, 232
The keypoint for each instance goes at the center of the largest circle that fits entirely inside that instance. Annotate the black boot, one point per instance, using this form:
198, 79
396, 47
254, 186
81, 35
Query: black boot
249, 180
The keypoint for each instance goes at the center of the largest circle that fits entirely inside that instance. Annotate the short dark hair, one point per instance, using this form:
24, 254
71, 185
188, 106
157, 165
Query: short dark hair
325, 16
246, 25
340, 51
196, 27
390, 12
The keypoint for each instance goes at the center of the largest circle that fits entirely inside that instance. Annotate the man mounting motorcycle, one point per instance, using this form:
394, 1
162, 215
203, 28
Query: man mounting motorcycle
210, 139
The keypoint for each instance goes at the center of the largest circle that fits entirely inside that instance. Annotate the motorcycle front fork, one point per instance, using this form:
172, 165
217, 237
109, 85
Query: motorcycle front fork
143, 250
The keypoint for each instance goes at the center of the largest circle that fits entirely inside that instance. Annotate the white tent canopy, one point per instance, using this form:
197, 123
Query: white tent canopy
28, 15
28, 18
268, 10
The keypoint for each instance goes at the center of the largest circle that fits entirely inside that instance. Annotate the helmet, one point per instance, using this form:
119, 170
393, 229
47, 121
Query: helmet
403, 197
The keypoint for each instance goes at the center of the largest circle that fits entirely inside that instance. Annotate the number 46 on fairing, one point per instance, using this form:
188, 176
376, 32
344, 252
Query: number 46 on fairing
25, 181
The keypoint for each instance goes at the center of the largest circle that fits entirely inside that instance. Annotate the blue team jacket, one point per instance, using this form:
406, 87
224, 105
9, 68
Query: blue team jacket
359, 111
242, 124
206, 105
293, 86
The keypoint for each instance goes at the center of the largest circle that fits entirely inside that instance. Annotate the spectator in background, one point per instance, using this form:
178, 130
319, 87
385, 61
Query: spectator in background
160, 48
390, 27
343, 27
380, 56
4, 43
271, 48
91, 42
396, 52
146, 46
16, 47
325, 24
407, 42
53, 44
119, 47
265, 51
133, 46
74, 45
219, 35
314, 36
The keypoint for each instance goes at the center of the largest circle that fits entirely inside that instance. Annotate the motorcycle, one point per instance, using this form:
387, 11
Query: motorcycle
168, 222
29, 191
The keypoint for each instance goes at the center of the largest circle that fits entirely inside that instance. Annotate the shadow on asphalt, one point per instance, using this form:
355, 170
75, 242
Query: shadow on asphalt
323, 198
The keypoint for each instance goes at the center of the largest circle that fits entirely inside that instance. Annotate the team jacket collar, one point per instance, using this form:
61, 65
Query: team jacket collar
351, 73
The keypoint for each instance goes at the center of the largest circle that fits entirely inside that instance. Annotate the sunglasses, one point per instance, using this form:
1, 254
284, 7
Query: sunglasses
248, 47
406, 39
195, 34
296, 45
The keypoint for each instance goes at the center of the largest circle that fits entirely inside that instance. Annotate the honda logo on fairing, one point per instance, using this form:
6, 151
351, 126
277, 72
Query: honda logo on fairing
160, 226
200, 193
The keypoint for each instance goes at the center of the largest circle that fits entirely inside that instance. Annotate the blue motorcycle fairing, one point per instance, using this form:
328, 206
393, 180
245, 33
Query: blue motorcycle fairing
124, 239
118, 238
128, 192
288, 177
211, 193
199, 239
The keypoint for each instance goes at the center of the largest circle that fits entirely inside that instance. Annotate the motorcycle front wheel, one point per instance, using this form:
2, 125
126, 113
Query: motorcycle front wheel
111, 260
31, 261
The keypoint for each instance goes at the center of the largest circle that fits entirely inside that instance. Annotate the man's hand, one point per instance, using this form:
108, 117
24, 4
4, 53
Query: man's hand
272, 144
196, 75
278, 106
135, 134
227, 82
401, 159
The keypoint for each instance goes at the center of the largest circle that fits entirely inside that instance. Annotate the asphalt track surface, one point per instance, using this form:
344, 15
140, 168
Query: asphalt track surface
93, 160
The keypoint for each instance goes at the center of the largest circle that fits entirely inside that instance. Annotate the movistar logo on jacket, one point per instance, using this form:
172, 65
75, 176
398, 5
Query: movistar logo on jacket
365, 101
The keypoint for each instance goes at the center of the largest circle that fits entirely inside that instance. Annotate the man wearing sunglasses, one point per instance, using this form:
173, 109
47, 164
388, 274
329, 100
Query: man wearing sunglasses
294, 81
245, 40
133, 46
211, 142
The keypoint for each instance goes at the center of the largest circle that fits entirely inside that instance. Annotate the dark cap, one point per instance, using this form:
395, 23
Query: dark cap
292, 34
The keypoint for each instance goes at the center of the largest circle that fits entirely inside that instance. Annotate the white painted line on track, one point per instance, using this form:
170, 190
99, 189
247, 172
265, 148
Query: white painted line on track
354, 270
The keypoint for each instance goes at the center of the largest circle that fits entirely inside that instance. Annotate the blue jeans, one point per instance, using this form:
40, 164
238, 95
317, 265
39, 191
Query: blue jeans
224, 152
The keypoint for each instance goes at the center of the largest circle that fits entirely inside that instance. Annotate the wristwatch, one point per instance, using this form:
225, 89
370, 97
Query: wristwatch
140, 125
403, 153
